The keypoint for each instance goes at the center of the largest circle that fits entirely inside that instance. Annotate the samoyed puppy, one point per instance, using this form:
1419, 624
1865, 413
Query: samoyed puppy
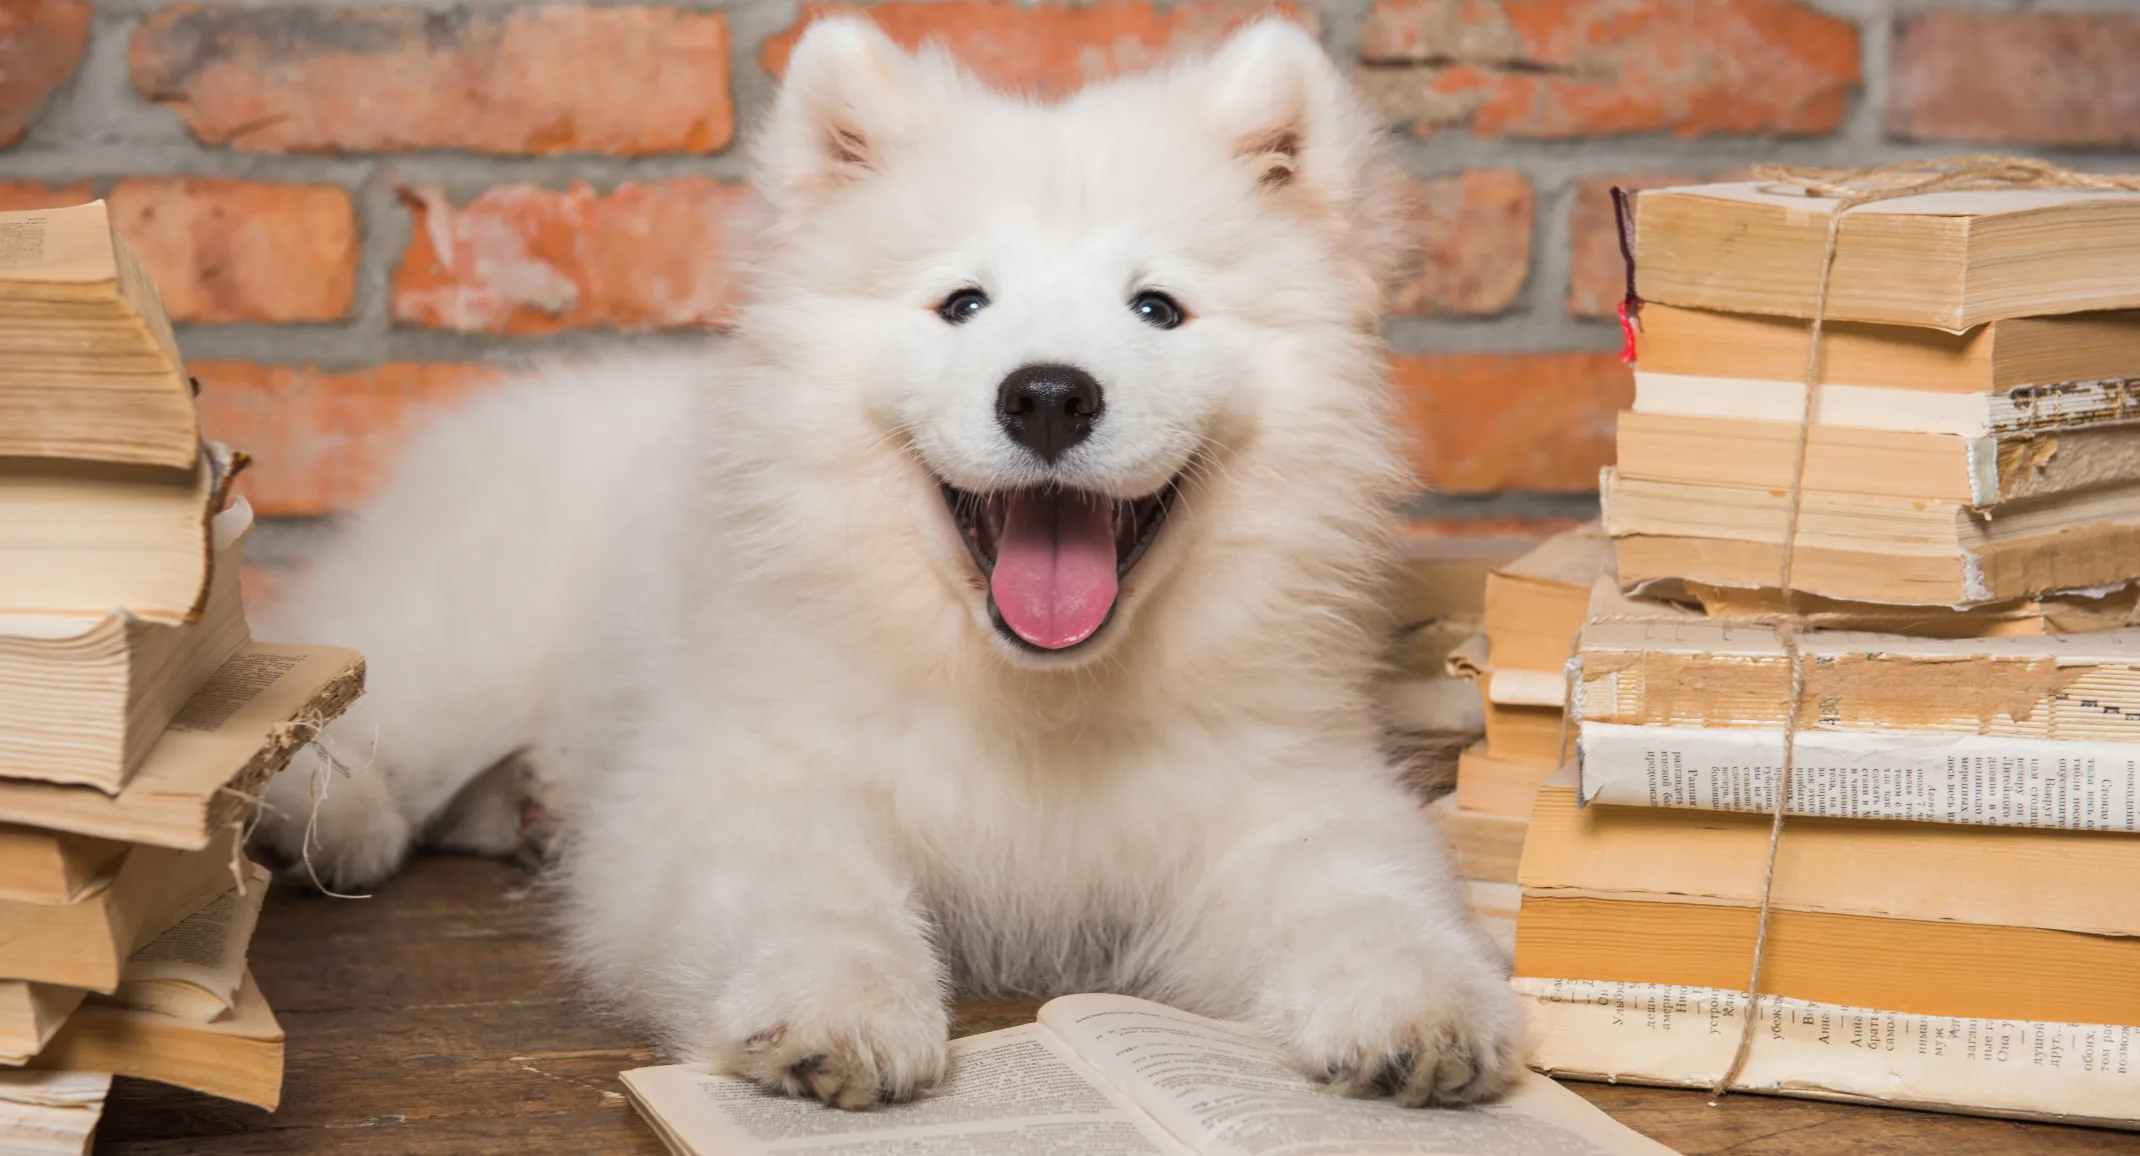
994, 609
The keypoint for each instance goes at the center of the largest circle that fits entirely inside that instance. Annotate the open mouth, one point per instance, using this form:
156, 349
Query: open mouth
1055, 557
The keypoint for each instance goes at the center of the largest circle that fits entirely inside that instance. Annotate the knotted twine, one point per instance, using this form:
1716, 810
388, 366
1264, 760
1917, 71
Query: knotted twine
1850, 189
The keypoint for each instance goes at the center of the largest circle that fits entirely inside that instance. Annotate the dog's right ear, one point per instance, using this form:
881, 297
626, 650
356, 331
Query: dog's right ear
842, 105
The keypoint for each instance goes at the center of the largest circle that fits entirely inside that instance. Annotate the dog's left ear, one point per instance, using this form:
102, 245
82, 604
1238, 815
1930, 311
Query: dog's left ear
1291, 117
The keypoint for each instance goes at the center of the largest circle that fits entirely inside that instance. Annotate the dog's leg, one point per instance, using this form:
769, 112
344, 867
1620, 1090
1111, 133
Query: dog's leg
1337, 925
765, 932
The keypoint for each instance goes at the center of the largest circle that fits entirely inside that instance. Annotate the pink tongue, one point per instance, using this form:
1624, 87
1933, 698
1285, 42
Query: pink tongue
1054, 580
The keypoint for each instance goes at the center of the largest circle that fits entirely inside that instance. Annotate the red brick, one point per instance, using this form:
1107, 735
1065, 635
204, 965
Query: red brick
524, 259
2044, 78
320, 441
1473, 233
16, 196
222, 251
521, 80
1597, 273
40, 43
1567, 68
1485, 422
1047, 49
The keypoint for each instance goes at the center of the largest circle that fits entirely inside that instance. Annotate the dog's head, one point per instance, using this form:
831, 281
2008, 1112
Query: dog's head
1071, 323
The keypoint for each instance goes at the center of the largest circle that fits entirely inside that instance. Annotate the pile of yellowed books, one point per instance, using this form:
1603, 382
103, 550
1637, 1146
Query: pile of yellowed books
1953, 916
138, 721
1531, 608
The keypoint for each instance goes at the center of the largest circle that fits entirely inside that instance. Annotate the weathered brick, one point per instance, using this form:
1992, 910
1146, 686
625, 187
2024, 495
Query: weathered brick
533, 79
1473, 233
2044, 78
524, 259
222, 251
16, 196
1046, 49
40, 43
320, 441
1537, 421
1566, 68
1597, 273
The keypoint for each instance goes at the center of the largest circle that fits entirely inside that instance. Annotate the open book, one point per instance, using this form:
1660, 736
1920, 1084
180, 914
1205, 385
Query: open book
195, 969
1104, 1075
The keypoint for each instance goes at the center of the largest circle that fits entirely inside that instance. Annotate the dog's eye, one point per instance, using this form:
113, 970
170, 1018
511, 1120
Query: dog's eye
1157, 310
962, 305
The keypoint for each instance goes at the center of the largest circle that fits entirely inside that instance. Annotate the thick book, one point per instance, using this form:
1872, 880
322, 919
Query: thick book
1487, 784
1869, 548
1997, 357
39, 866
2040, 731
2042, 409
1535, 604
1921, 966
1105, 1073
91, 538
1691, 672
1487, 846
1980, 472
82, 699
1683, 1036
1922, 776
238, 1057
1950, 260
1914, 917
215, 757
51, 1113
196, 968
85, 943
1519, 729
2073, 881
31, 1014
89, 368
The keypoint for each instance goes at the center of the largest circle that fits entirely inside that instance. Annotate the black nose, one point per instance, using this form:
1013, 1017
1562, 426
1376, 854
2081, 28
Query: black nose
1048, 408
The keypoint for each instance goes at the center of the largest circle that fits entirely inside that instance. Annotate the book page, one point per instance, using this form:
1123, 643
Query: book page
1015, 1092
205, 950
1225, 1091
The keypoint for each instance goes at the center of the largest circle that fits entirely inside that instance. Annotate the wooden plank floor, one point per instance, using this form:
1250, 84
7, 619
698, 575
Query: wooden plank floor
430, 1020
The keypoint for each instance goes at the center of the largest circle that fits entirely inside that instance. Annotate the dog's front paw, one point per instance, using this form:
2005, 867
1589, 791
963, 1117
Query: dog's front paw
336, 831
1422, 1023
856, 1033
880, 1058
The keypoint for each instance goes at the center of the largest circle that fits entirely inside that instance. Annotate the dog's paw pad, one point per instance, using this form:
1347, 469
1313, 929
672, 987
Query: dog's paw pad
1438, 1058
877, 1062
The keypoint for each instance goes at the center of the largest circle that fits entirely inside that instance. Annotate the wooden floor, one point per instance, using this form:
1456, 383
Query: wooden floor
429, 1020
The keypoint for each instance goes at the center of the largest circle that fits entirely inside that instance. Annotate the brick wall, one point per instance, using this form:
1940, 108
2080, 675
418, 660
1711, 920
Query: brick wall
356, 212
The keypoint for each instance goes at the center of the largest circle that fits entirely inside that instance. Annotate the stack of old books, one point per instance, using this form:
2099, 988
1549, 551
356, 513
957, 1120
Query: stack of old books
1532, 608
1954, 910
137, 720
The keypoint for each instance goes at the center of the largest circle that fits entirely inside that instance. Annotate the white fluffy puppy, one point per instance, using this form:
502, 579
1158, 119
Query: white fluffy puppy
996, 607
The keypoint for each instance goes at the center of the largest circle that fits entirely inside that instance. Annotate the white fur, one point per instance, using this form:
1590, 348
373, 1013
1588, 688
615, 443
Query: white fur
720, 607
